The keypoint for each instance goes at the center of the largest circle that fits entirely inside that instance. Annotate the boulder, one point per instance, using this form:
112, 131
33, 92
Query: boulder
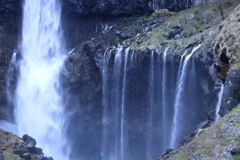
29, 141
13, 147
235, 151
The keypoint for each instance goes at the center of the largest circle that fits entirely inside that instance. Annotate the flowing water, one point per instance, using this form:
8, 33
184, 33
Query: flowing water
141, 106
151, 103
164, 88
178, 101
220, 94
123, 135
114, 95
39, 110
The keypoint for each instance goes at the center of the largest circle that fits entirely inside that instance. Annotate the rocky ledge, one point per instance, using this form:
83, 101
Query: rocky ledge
220, 141
14, 148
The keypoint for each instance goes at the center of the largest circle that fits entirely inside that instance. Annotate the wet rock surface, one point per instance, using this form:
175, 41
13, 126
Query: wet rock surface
11, 6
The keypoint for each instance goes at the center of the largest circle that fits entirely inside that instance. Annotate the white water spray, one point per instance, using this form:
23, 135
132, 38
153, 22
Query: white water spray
39, 110
177, 105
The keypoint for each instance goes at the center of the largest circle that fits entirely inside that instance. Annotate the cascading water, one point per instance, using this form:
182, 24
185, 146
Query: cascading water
220, 94
116, 97
123, 136
139, 102
151, 101
178, 102
164, 87
106, 116
114, 94
39, 110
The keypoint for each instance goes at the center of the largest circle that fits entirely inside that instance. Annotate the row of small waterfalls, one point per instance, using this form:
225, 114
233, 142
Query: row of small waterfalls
159, 97
149, 101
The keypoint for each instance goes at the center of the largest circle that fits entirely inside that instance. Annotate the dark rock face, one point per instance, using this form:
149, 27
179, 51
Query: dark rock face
231, 92
84, 7
84, 95
108, 6
9, 34
10, 6
83, 66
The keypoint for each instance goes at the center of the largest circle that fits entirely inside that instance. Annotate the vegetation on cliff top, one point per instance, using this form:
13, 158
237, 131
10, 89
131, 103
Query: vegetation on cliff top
189, 26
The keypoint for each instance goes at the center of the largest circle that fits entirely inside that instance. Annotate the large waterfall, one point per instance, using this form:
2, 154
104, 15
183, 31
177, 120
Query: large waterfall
39, 109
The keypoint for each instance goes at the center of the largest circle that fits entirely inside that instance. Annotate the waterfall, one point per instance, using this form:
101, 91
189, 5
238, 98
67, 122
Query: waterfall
114, 100
164, 87
151, 101
39, 110
106, 116
220, 94
179, 91
123, 104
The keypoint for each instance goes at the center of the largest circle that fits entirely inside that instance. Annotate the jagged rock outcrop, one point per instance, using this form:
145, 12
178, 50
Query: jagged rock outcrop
84, 74
14, 148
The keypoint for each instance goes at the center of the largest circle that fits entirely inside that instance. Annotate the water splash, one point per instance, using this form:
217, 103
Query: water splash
39, 110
